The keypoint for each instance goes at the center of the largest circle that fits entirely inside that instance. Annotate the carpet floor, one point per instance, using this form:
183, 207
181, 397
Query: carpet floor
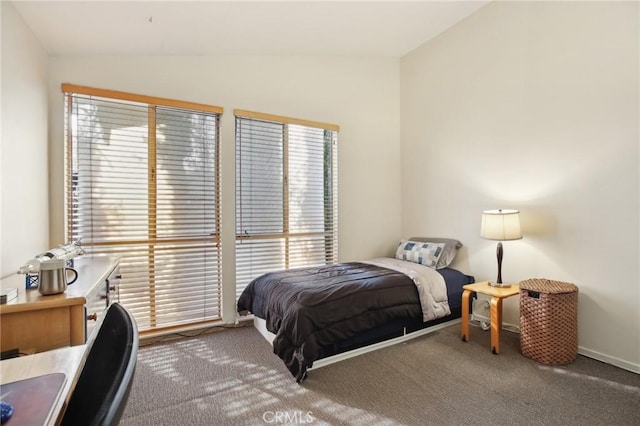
231, 377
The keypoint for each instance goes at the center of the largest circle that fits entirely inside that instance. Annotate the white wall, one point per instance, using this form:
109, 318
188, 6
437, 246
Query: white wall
361, 95
534, 106
24, 216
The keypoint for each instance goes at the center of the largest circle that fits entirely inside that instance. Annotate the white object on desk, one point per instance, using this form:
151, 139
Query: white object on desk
8, 294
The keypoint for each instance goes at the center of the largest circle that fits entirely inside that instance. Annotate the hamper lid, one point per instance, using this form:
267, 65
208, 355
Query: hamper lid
544, 285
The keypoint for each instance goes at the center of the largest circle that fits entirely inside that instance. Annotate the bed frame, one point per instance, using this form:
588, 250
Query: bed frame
261, 326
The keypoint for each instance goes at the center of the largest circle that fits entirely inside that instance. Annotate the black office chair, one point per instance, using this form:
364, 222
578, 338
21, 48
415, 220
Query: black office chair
101, 393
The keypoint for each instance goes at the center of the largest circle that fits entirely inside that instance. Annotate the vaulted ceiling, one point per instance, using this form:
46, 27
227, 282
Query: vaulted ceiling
348, 28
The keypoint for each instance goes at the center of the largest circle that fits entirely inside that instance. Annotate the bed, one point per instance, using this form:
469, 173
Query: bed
316, 314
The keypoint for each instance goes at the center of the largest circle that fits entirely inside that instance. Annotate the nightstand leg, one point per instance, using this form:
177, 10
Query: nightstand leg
496, 323
465, 315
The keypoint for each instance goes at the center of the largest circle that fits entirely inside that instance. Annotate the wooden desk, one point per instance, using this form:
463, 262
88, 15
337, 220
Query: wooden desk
41, 323
497, 295
68, 361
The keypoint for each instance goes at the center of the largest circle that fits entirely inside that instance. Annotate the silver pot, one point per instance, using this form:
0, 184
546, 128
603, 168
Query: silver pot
52, 278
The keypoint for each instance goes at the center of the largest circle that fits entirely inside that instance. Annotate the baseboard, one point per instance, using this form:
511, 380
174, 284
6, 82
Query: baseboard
607, 359
481, 315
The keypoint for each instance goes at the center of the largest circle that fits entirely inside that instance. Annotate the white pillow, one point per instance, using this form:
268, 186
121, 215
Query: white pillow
418, 252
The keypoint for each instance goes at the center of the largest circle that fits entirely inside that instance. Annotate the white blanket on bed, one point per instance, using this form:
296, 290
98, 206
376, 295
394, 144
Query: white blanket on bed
431, 286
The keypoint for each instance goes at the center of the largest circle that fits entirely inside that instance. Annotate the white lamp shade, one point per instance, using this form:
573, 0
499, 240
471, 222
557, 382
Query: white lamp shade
500, 225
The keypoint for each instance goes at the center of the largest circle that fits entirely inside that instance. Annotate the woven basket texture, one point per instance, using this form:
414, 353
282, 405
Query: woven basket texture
549, 321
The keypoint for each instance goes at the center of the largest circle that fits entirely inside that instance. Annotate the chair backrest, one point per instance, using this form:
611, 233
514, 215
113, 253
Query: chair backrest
102, 390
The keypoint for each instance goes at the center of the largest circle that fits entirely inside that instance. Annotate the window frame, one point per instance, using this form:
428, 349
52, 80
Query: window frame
153, 241
287, 235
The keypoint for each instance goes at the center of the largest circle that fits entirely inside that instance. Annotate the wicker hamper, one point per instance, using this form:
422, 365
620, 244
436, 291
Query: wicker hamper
549, 321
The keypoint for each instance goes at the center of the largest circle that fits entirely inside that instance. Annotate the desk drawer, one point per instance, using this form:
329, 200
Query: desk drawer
113, 286
99, 299
95, 308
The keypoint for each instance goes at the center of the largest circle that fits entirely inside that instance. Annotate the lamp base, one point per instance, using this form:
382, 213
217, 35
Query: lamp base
501, 285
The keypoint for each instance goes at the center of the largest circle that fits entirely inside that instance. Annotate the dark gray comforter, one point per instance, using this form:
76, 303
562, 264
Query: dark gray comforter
314, 307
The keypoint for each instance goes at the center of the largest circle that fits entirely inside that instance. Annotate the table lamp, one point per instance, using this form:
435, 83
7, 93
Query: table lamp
500, 225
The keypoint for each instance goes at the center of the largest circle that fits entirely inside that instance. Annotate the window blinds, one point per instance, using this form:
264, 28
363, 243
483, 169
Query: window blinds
286, 194
142, 183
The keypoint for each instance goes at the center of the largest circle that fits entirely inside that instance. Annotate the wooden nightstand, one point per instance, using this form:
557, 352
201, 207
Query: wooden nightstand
497, 295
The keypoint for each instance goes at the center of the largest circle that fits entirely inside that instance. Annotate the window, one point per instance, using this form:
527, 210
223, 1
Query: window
142, 183
286, 194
